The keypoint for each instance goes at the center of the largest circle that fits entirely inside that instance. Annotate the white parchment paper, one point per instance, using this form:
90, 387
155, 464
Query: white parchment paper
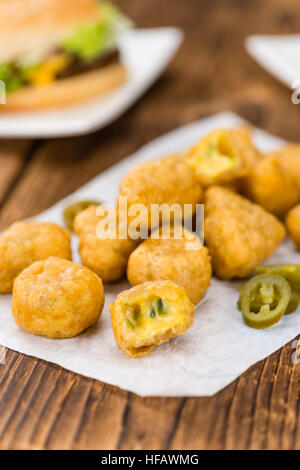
216, 349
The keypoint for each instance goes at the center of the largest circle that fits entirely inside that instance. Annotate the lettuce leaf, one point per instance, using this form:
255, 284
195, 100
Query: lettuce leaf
15, 76
12, 80
88, 41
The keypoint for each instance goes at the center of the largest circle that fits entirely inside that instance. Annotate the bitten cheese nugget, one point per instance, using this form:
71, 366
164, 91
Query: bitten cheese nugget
166, 181
57, 298
222, 156
293, 225
106, 257
239, 234
26, 242
184, 261
271, 185
150, 314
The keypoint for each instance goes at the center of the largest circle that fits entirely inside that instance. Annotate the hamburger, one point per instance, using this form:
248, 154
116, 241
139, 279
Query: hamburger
56, 53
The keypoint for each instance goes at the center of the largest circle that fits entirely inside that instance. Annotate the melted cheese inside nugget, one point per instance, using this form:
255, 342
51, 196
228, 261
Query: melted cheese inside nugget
239, 234
222, 156
293, 225
166, 182
106, 257
184, 261
150, 314
26, 242
57, 298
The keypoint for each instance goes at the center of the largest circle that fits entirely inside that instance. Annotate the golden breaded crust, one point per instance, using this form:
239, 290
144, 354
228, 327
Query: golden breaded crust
271, 186
57, 298
249, 153
86, 220
106, 257
174, 260
26, 242
239, 234
139, 343
167, 180
293, 225
289, 158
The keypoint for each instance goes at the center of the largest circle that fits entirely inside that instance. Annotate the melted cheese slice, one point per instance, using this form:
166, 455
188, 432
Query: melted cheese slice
45, 73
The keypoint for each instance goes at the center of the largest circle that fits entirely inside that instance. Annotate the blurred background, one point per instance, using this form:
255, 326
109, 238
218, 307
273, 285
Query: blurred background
210, 73
212, 65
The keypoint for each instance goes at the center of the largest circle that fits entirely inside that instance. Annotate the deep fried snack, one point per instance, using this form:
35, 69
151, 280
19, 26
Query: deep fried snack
150, 314
166, 181
57, 298
106, 257
239, 234
293, 225
289, 157
86, 220
72, 210
271, 185
222, 156
184, 261
25, 242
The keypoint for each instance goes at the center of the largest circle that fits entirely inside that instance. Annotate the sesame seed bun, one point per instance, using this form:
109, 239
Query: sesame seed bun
33, 27
67, 91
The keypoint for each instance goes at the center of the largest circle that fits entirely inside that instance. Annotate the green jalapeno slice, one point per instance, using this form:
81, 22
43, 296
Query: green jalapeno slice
264, 300
294, 302
71, 211
291, 272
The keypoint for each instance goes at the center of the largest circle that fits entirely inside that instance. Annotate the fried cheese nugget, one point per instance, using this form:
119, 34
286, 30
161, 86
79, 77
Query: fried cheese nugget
106, 257
222, 156
293, 225
57, 298
148, 315
289, 157
271, 186
185, 261
239, 234
86, 220
25, 242
166, 180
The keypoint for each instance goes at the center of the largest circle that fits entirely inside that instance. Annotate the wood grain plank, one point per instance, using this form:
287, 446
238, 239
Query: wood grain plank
43, 406
150, 423
14, 156
102, 422
279, 399
22, 431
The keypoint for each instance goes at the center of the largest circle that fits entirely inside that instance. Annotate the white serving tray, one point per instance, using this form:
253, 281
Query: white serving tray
278, 54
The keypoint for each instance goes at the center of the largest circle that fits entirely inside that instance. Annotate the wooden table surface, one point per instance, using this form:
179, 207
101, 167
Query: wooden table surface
43, 406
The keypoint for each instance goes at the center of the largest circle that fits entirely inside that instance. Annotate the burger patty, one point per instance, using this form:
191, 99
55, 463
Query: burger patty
77, 66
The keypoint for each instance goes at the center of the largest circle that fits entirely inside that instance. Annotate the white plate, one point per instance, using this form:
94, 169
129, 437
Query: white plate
215, 350
145, 52
279, 54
